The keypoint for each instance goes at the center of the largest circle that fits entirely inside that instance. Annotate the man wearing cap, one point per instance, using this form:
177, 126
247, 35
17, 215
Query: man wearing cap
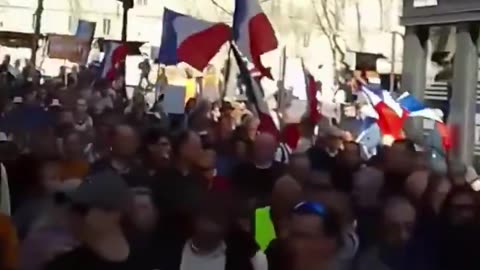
97, 207
330, 142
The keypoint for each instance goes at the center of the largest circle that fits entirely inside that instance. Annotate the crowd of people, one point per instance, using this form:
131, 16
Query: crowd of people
93, 180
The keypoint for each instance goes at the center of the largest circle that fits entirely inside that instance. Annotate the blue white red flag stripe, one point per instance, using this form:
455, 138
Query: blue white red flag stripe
115, 54
190, 40
416, 108
390, 117
253, 33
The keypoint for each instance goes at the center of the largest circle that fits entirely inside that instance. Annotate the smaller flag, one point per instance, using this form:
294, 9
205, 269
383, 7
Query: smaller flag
391, 117
190, 40
115, 57
291, 135
311, 88
416, 108
253, 33
370, 137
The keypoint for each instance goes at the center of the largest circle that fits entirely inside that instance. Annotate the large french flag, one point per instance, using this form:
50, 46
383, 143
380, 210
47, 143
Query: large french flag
115, 56
190, 40
253, 33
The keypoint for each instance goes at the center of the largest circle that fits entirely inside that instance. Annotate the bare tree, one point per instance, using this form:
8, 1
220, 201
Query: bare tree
330, 22
215, 3
37, 30
381, 13
360, 37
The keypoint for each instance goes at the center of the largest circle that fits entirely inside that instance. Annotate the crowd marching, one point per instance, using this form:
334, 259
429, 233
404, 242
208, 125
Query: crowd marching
93, 180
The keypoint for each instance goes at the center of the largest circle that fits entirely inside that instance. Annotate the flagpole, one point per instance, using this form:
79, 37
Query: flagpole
227, 70
281, 88
247, 80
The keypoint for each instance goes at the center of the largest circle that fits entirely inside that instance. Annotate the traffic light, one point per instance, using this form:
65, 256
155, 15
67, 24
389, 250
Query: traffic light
127, 4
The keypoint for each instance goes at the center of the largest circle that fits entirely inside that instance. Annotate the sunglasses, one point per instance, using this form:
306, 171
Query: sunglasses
310, 208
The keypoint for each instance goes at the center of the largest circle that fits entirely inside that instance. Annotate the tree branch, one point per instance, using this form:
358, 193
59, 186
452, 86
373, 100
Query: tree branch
215, 3
323, 28
325, 11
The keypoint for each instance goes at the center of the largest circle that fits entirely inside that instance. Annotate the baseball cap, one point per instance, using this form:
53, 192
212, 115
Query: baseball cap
332, 131
104, 190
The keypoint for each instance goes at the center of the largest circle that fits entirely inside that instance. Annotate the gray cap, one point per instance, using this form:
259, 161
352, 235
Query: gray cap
104, 190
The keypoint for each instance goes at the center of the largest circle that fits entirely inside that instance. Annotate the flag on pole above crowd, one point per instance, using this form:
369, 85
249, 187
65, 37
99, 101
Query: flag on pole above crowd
311, 91
115, 56
391, 116
253, 33
190, 40
415, 108
440, 138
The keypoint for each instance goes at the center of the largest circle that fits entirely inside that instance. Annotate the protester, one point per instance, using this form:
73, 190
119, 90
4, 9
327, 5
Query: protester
312, 241
74, 164
255, 180
97, 179
122, 159
158, 150
216, 243
98, 206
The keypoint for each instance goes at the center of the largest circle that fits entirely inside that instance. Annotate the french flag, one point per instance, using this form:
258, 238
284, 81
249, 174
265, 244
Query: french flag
115, 55
253, 33
190, 40
313, 113
416, 108
391, 117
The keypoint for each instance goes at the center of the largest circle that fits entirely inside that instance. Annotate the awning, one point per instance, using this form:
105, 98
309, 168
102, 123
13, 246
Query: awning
17, 39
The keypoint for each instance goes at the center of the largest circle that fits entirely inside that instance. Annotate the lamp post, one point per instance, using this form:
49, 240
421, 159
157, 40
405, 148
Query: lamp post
37, 31
394, 52
127, 5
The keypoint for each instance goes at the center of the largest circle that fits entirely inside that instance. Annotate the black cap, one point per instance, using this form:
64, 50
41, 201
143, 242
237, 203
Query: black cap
104, 190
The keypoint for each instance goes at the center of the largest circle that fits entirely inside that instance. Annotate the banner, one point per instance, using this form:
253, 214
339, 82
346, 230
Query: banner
68, 47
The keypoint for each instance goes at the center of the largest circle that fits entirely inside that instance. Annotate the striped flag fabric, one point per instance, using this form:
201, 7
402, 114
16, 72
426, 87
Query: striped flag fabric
115, 56
190, 40
311, 91
391, 117
416, 108
253, 33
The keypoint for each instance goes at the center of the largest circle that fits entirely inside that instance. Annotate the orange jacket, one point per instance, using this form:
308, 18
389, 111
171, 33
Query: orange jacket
9, 245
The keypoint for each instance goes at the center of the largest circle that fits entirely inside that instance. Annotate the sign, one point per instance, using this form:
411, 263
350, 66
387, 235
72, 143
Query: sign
68, 47
174, 99
424, 3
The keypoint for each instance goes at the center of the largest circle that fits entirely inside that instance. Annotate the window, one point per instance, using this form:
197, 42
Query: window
34, 20
142, 2
70, 23
107, 23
